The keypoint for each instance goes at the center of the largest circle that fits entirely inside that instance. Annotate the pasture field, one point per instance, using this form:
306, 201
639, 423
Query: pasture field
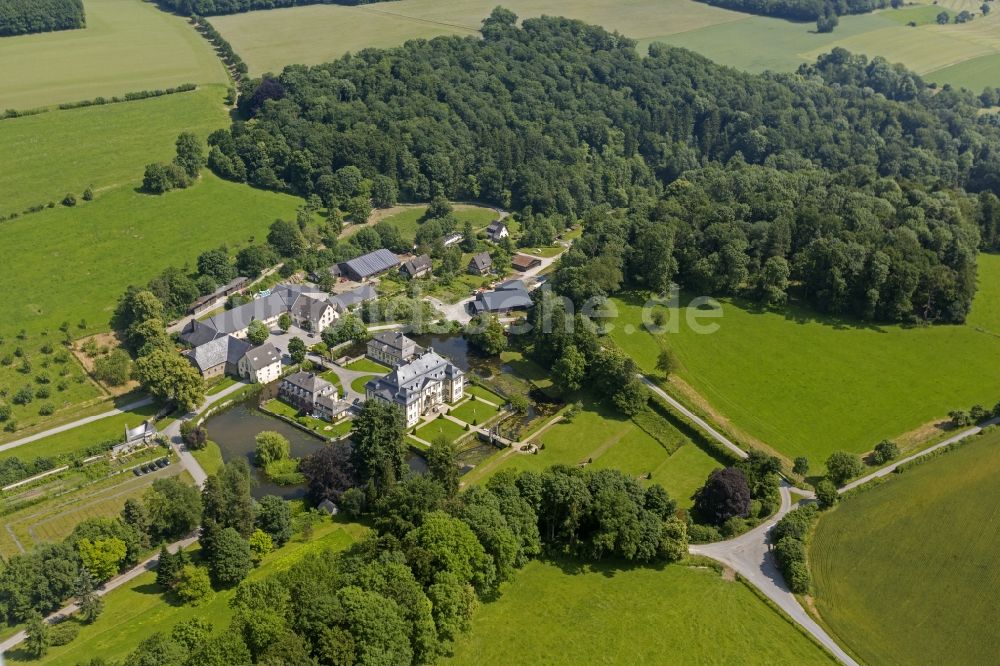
672, 615
268, 41
78, 439
101, 147
137, 610
906, 572
809, 385
121, 238
609, 440
128, 45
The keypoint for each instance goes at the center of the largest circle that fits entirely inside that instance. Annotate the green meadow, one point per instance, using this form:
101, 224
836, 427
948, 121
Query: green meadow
101, 147
68, 264
610, 615
128, 45
268, 41
809, 385
408, 220
79, 439
906, 573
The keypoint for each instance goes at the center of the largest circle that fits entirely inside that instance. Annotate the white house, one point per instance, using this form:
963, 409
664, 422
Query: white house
497, 231
418, 386
261, 365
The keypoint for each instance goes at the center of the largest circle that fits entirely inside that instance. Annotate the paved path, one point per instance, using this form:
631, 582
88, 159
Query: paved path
173, 433
76, 424
885, 471
146, 565
700, 422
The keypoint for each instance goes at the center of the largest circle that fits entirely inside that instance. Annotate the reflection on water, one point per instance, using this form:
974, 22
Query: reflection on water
235, 428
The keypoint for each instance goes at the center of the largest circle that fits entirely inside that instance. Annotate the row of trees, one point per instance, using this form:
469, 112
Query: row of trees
882, 176
801, 10
221, 7
20, 17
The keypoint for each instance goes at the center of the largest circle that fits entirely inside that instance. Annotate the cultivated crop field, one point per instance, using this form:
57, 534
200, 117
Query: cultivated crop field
270, 40
907, 572
128, 45
121, 238
674, 615
809, 385
101, 147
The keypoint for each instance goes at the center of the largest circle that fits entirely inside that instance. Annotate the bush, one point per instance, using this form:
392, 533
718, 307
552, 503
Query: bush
842, 466
826, 494
63, 633
193, 584
88, 194
801, 466
884, 452
69, 200
698, 533
47, 409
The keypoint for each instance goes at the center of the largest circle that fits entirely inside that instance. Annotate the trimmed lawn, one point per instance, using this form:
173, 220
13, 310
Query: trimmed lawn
561, 613
367, 365
809, 385
486, 394
319, 426
92, 259
139, 609
210, 457
906, 572
358, 384
439, 427
220, 385
128, 45
78, 439
101, 147
474, 412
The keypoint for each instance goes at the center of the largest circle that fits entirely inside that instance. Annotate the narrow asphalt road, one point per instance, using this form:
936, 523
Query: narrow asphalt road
76, 424
173, 433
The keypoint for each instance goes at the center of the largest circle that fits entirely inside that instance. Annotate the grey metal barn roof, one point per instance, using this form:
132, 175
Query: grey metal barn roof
373, 263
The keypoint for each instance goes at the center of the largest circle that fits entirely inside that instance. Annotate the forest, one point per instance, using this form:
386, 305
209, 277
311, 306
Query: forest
800, 10
21, 17
220, 7
557, 117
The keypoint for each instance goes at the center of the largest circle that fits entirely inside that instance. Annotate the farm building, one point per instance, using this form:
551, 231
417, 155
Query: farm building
369, 265
205, 302
219, 357
525, 262
509, 296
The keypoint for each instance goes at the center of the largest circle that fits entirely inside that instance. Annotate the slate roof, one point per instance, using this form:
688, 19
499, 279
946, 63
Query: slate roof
396, 341
417, 264
511, 295
263, 356
349, 299
308, 381
495, 229
481, 261
218, 351
308, 307
372, 263
403, 384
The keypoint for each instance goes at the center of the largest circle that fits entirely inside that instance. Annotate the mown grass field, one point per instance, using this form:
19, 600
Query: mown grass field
139, 609
809, 385
608, 615
906, 572
318, 34
608, 440
440, 428
128, 45
78, 439
475, 412
121, 238
101, 147
408, 220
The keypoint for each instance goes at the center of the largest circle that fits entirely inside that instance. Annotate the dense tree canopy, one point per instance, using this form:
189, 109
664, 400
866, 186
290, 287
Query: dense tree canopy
845, 173
220, 7
801, 10
19, 17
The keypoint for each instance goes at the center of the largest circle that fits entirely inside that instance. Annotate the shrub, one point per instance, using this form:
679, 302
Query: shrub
842, 466
703, 533
42, 393
47, 409
193, 584
801, 466
826, 494
63, 633
69, 200
23, 396
978, 414
88, 195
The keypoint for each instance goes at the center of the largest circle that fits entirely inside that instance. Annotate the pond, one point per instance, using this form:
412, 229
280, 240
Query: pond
235, 428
